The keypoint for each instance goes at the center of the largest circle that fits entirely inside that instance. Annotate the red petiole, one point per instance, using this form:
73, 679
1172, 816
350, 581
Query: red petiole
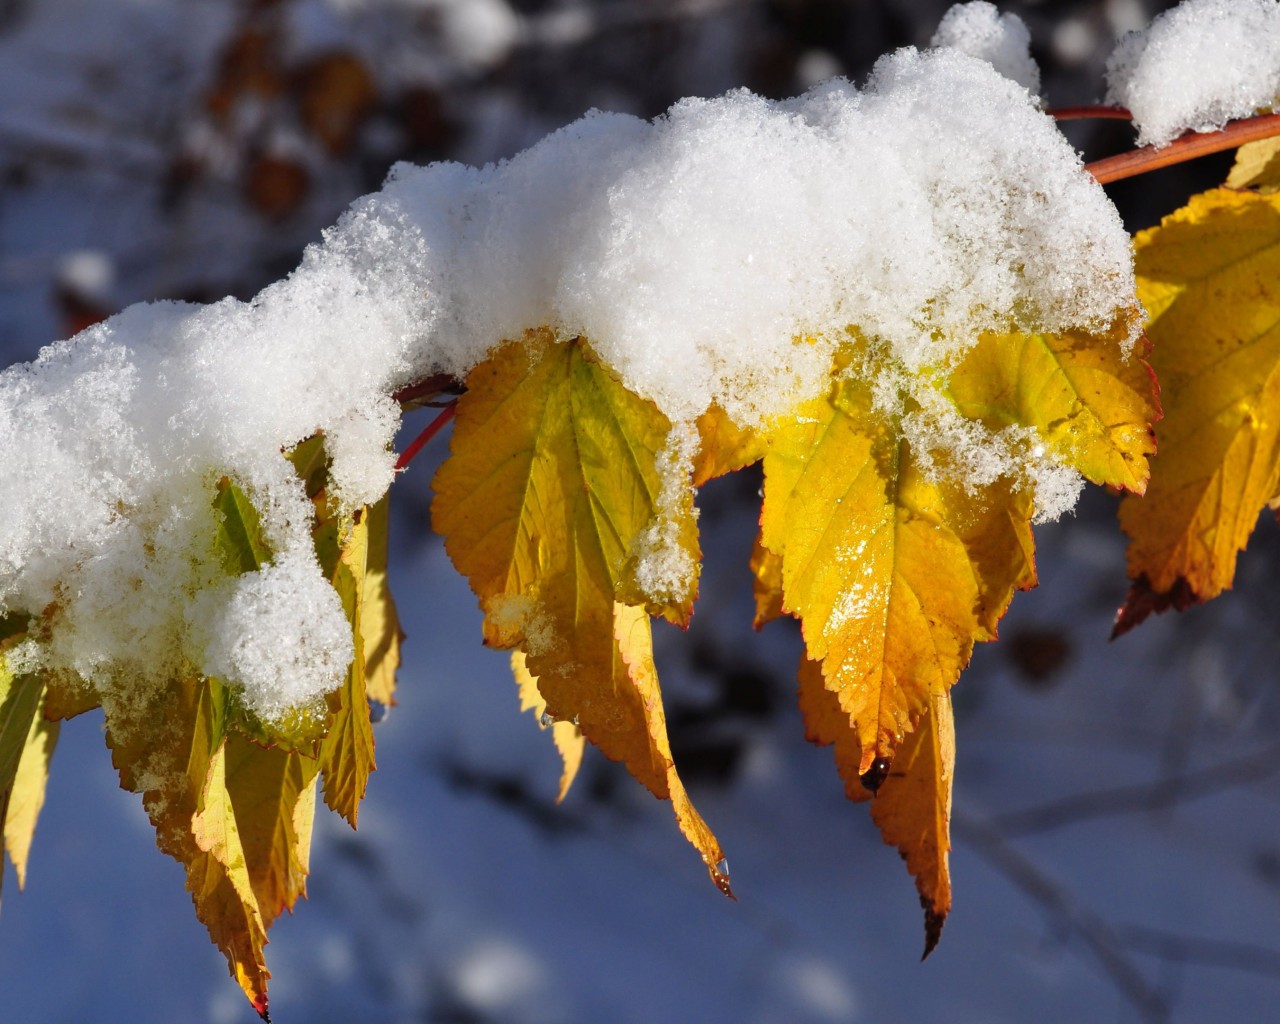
1184, 148
420, 442
1090, 112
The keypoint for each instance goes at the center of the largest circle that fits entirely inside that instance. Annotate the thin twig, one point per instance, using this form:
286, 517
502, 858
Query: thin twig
987, 841
420, 442
1151, 796
1095, 112
1200, 952
1183, 148
421, 392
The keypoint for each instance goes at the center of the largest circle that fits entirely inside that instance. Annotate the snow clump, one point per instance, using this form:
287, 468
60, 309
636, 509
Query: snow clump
718, 254
1198, 66
1002, 40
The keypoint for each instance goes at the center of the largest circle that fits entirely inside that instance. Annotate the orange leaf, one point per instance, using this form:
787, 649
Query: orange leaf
766, 583
910, 794
725, 448
565, 735
237, 816
913, 809
550, 486
873, 564
1207, 276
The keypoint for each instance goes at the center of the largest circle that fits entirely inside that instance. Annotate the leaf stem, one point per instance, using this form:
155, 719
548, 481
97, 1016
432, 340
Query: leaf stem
1185, 147
1090, 112
420, 442
419, 393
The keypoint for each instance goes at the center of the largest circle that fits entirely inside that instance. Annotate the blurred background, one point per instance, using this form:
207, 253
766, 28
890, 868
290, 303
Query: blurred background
1117, 853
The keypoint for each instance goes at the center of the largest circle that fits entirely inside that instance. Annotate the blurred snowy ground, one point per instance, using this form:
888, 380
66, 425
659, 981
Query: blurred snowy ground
1117, 848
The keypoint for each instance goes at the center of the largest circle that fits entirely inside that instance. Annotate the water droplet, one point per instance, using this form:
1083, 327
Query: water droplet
547, 720
873, 778
377, 711
720, 875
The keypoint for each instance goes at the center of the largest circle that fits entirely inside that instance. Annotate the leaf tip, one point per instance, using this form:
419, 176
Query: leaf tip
260, 1006
933, 922
720, 876
1143, 600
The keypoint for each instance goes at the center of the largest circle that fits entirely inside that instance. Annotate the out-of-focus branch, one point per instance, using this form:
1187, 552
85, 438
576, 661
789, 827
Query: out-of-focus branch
1200, 952
1103, 942
1137, 798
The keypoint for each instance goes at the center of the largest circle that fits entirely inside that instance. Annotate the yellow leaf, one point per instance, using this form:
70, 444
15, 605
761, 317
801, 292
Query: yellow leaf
214, 828
827, 724
235, 927
872, 564
910, 795
236, 815
164, 742
725, 447
912, 807
352, 551
1207, 276
1091, 407
23, 803
550, 486
20, 698
379, 624
346, 753
26, 744
566, 736
273, 794
1257, 166
253, 826
635, 651
766, 583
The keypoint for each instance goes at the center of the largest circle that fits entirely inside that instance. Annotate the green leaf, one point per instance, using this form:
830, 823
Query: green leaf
239, 538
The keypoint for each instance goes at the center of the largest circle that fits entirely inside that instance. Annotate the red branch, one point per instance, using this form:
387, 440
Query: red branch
420, 442
1183, 148
1090, 112
428, 388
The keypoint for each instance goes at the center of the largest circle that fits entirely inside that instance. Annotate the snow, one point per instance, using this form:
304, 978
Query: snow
1197, 67
719, 254
1002, 40
119, 436
280, 624
598, 910
735, 234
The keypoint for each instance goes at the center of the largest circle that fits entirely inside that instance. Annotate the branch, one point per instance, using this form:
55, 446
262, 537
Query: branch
1141, 797
1090, 112
420, 442
411, 396
1200, 952
1185, 147
1092, 929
